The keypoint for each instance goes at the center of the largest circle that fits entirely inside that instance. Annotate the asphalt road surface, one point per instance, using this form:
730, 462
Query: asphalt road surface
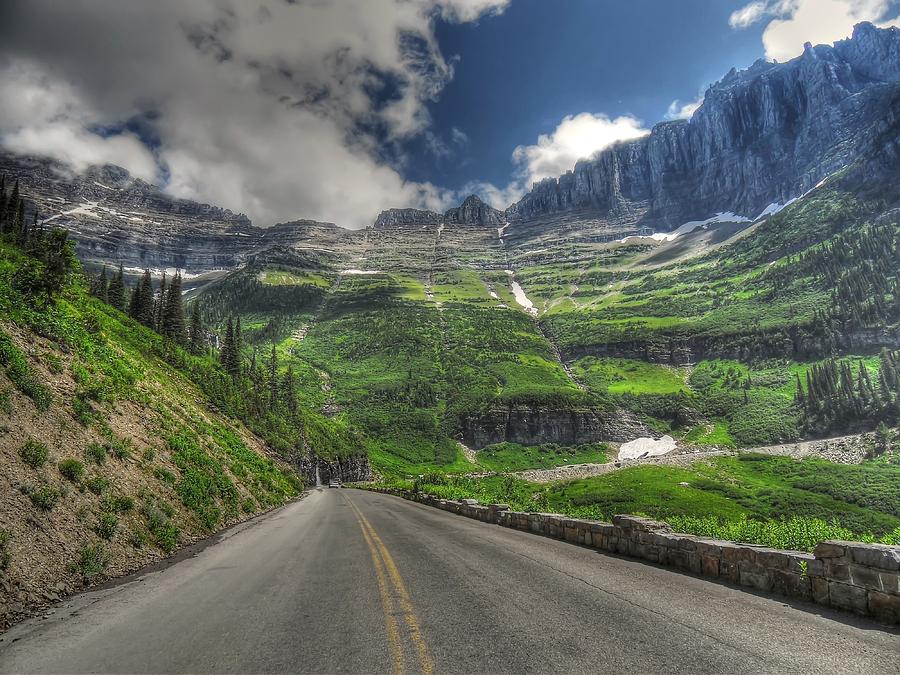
350, 581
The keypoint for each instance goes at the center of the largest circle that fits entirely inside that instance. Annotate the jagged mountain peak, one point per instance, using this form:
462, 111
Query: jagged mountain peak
472, 211
762, 136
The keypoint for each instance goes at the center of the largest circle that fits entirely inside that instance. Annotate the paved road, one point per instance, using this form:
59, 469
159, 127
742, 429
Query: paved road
349, 581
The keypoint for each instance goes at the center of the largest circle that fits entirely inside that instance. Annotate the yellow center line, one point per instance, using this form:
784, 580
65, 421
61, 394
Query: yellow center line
387, 603
415, 633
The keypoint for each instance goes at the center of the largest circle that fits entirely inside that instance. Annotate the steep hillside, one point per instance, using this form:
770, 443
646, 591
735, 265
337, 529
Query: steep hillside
112, 456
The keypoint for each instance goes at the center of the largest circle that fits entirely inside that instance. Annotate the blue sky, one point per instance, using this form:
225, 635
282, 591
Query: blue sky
521, 72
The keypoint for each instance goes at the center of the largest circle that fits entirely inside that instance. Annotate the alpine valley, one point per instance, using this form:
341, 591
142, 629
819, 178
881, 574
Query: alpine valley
729, 281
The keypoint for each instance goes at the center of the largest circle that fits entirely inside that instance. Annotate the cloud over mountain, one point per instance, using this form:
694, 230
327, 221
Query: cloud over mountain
793, 22
273, 108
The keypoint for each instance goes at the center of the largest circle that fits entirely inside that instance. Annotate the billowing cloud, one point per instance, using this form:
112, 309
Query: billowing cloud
275, 108
791, 23
683, 111
575, 137
748, 15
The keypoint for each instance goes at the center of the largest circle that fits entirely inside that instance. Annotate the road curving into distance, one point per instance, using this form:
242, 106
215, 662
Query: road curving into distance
352, 581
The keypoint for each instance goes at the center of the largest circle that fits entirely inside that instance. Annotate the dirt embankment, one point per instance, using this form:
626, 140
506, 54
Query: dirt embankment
115, 507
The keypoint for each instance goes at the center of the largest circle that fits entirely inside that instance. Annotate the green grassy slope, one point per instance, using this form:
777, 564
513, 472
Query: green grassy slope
775, 501
113, 455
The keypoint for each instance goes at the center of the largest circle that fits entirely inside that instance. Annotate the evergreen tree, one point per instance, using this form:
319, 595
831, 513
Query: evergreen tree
228, 355
288, 390
100, 286
195, 333
116, 292
238, 342
159, 307
141, 308
273, 379
173, 313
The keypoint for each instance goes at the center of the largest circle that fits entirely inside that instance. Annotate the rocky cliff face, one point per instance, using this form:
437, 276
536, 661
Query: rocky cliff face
351, 469
115, 218
761, 136
533, 426
472, 211
407, 218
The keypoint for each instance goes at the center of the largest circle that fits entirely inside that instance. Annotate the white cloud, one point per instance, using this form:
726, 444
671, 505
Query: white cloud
47, 117
267, 107
470, 10
575, 137
683, 111
791, 23
747, 15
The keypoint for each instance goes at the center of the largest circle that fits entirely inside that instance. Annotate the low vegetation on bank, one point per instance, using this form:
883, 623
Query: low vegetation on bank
760, 499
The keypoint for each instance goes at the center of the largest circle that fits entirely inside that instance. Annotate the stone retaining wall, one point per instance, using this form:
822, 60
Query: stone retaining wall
860, 578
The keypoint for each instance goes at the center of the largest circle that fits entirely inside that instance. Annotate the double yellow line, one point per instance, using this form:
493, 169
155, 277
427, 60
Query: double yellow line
396, 603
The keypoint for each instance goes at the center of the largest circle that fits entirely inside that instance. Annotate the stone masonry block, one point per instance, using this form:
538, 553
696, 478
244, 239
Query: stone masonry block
832, 549
849, 597
820, 594
876, 555
884, 607
865, 576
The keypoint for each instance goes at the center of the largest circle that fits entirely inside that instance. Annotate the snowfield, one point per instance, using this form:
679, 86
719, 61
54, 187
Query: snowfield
646, 447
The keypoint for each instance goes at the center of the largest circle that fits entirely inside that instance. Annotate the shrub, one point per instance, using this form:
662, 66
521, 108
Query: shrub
5, 555
248, 505
96, 453
34, 454
71, 469
97, 484
165, 475
162, 529
117, 503
92, 561
44, 497
138, 538
22, 375
6, 405
107, 524
83, 410
121, 448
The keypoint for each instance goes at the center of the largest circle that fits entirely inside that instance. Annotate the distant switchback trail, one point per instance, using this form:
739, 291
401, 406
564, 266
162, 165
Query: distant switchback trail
350, 581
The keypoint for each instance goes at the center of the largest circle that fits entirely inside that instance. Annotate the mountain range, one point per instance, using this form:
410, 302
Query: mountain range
600, 305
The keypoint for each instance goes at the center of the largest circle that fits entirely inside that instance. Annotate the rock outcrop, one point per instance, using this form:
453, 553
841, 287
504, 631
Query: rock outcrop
533, 426
473, 211
762, 135
349, 469
407, 218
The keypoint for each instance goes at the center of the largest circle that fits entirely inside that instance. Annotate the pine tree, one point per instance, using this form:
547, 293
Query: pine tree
195, 333
288, 389
141, 308
173, 313
238, 343
100, 286
273, 378
116, 292
228, 355
159, 306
